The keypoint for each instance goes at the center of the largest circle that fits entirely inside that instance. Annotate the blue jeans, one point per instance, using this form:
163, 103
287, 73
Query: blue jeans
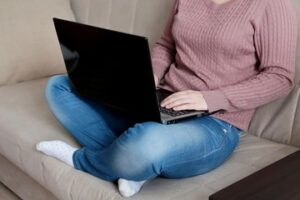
113, 146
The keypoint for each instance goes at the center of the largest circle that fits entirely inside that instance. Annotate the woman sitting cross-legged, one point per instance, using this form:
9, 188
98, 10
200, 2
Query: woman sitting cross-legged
234, 55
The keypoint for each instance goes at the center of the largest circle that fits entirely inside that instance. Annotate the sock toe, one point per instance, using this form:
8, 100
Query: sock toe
129, 188
42, 146
57, 149
125, 188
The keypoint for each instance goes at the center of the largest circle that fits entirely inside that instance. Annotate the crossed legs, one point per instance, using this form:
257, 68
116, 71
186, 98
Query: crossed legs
114, 147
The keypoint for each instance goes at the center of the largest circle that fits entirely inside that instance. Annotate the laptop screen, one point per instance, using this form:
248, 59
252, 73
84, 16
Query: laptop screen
111, 67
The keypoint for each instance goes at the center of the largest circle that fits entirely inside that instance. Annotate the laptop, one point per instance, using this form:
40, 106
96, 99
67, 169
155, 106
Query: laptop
114, 68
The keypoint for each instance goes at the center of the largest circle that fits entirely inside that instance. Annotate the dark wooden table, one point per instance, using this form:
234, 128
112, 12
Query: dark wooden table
278, 181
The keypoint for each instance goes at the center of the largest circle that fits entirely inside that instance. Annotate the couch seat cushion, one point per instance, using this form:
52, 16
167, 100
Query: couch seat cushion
25, 120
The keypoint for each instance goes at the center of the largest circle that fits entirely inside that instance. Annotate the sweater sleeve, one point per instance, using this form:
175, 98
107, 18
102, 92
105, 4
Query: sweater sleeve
275, 40
163, 52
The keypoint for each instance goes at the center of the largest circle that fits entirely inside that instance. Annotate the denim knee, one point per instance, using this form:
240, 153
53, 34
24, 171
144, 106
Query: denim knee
57, 82
140, 153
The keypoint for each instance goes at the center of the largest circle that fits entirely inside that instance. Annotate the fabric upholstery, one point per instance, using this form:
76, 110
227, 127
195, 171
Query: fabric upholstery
20, 183
141, 17
25, 119
274, 121
28, 43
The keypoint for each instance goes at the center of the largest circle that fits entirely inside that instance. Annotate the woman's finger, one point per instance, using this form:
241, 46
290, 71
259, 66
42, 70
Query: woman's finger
188, 106
174, 97
179, 101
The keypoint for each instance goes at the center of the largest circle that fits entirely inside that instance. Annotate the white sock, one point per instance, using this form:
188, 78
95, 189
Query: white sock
128, 188
57, 149
64, 152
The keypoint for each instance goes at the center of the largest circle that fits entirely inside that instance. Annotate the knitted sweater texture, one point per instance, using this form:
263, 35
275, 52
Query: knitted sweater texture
240, 54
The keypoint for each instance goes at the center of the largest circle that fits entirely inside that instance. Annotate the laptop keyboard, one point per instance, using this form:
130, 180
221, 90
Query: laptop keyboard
162, 94
174, 113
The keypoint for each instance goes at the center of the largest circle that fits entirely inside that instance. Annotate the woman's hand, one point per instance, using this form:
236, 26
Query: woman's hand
185, 100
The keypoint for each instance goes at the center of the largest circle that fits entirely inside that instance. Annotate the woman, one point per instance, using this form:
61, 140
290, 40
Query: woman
235, 55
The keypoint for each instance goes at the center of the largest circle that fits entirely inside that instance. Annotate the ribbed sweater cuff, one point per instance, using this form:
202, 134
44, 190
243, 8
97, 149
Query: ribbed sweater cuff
215, 100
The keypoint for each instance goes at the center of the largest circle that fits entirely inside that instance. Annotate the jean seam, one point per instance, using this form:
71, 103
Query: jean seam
206, 155
220, 146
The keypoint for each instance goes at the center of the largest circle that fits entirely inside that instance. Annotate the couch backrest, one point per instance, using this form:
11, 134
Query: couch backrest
141, 17
28, 44
276, 121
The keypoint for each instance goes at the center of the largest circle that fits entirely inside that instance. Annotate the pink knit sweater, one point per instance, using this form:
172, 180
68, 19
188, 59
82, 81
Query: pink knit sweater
239, 54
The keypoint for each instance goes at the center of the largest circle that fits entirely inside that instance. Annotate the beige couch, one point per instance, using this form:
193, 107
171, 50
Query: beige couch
29, 54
